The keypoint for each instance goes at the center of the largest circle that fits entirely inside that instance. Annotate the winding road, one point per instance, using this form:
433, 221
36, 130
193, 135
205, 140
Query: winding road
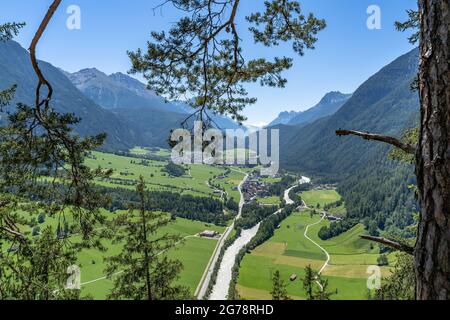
286, 197
319, 246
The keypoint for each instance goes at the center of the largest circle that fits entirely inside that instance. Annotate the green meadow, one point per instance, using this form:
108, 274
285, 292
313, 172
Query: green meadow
126, 170
323, 197
194, 252
269, 200
270, 179
231, 182
151, 151
339, 210
320, 197
289, 251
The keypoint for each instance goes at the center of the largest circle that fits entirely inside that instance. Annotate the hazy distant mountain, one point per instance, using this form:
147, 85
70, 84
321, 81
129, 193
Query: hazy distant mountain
283, 118
124, 94
118, 91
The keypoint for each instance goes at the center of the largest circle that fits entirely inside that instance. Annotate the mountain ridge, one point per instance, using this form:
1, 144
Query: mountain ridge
373, 186
384, 104
15, 68
122, 94
328, 105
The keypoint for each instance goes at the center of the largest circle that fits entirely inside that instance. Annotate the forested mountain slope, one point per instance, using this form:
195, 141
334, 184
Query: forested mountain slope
372, 186
383, 104
117, 105
15, 68
130, 98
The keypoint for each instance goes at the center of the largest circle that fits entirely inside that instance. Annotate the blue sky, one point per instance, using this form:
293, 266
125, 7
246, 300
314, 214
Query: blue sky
346, 54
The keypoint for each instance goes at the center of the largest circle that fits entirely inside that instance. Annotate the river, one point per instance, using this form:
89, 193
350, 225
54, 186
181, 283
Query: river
220, 289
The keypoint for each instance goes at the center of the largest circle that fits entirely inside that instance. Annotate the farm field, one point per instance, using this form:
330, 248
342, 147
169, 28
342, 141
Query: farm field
319, 197
289, 251
126, 170
151, 151
231, 182
339, 210
194, 252
269, 200
270, 179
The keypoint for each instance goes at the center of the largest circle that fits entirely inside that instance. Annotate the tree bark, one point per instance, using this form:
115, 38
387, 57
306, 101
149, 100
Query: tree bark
432, 251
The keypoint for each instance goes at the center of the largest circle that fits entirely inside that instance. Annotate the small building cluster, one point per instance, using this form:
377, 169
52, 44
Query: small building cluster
331, 217
253, 188
209, 234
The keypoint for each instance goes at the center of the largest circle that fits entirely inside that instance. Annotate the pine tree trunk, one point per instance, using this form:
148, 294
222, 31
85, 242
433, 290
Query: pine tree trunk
432, 253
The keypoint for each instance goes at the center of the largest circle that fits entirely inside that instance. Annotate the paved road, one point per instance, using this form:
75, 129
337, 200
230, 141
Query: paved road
290, 201
318, 245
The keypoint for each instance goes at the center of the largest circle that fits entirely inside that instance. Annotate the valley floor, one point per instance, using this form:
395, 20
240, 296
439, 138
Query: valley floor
290, 251
194, 252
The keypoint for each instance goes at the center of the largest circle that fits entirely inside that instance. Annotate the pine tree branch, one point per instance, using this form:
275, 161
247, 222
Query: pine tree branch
12, 232
4, 203
391, 243
408, 148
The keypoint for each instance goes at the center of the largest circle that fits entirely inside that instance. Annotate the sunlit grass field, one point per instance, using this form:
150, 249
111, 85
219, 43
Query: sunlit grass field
289, 251
194, 252
128, 170
275, 200
320, 197
151, 151
231, 183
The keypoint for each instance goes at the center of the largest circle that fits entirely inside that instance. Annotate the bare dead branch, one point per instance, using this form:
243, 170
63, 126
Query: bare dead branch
391, 243
408, 148
34, 62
